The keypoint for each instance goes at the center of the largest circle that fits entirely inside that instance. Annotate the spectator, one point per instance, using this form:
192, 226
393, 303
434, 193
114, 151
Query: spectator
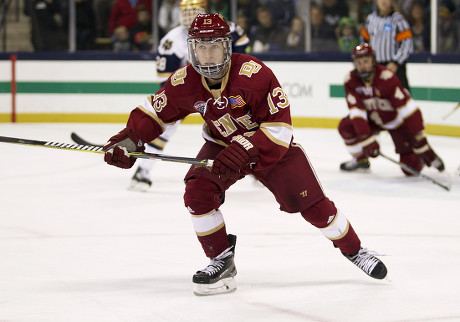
121, 41
86, 29
242, 20
365, 7
348, 34
333, 10
168, 16
124, 13
102, 10
45, 31
220, 6
449, 33
420, 27
322, 35
283, 11
266, 35
249, 9
141, 34
296, 37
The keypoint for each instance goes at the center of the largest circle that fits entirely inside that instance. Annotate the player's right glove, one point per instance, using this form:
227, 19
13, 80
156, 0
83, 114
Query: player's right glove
235, 157
116, 150
370, 146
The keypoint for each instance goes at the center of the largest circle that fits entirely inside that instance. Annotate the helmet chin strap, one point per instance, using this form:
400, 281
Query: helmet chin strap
224, 72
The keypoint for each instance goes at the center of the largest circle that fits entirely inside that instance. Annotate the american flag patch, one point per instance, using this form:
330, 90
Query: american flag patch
236, 101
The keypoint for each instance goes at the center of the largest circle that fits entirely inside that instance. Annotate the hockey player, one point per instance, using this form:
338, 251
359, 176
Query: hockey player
377, 101
173, 54
247, 130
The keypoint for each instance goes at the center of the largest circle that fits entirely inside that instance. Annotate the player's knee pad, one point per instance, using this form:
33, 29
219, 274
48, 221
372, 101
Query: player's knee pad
320, 214
202, 196
346, 130
411, 160
330, 220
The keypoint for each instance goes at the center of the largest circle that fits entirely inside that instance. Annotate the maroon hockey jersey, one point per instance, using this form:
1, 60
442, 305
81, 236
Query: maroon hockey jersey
249, 102
384, 103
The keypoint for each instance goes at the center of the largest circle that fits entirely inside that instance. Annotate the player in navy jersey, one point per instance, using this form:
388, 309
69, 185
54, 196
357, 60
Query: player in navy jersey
377, 102
173, 54
247, 130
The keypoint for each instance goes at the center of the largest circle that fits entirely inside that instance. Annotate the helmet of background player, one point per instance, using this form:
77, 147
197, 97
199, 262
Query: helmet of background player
189, 9
360, 51
210, 45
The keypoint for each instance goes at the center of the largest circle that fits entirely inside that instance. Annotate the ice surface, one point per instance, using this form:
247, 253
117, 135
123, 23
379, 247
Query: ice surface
76, 245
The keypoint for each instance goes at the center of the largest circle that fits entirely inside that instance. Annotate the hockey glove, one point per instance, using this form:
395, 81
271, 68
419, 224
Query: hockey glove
238, 155
116, 150
426, 153
370, 146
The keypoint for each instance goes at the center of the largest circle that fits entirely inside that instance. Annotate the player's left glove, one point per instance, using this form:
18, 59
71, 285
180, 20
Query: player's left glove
235, 157
426, 153
116, 150
370, 146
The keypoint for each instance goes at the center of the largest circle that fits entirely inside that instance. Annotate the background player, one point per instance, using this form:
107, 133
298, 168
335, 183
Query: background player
173, 54
377, 101
247, 130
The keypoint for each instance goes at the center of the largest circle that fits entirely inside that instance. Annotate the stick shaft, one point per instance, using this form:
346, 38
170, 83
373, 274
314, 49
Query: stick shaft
415, 172
98, 149
452, 111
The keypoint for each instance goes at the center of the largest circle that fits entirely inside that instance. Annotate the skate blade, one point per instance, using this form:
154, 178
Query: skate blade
225, 285
138, 186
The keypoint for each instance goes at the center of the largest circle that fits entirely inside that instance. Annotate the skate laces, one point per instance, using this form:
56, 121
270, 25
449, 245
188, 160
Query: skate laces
366, 260
217, 262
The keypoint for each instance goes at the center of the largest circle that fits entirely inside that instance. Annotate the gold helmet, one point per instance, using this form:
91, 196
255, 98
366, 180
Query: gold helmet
189, 9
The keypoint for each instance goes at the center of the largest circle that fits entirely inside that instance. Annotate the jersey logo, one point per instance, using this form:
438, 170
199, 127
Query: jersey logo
249, 68
200, 106
236, 101
367, 91
220, 103
167, 44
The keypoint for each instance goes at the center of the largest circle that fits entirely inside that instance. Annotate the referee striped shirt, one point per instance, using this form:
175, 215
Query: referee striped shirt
389, 36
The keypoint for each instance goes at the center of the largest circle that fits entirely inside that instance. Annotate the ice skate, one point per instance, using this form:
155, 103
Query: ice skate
218, 276
354, 164
140, 180
370, 264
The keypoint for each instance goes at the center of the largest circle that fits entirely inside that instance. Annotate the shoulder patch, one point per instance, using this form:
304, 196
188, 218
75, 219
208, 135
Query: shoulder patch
347, 77
399, 94
386, 74
179, 76
249, 68
167, 44
351, 99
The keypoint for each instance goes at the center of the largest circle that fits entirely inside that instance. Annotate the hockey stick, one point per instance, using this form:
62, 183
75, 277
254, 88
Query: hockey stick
79, 140
453, 110
415, 172
98, 149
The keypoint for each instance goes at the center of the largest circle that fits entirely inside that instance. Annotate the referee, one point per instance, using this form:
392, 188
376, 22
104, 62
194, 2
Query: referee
389, 34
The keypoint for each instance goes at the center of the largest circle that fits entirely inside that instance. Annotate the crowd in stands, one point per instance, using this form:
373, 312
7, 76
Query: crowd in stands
126, 25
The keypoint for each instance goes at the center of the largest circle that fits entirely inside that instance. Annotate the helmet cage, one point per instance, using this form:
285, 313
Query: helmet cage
189, 9
187, 15
210, 70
